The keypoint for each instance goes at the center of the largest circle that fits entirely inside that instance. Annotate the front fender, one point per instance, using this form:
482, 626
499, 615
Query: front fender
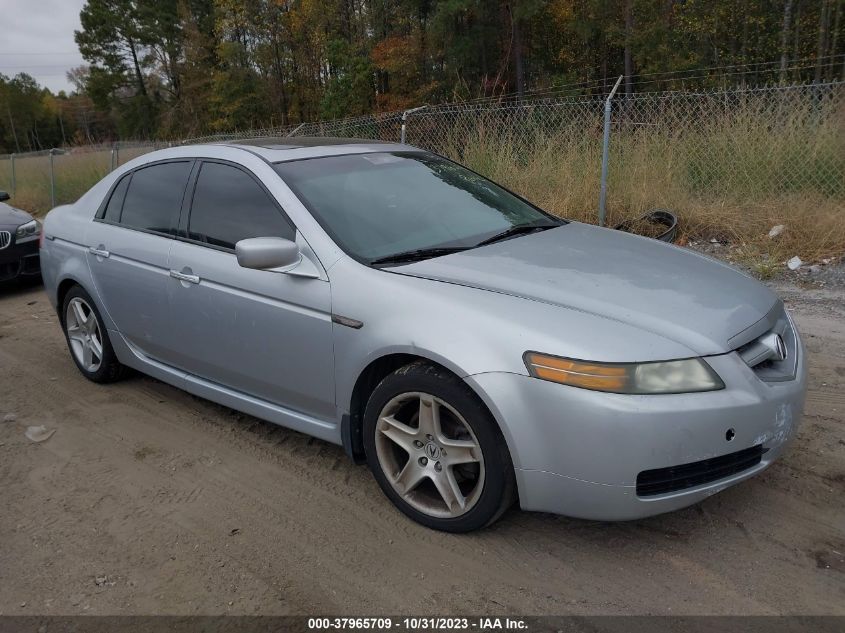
467, 330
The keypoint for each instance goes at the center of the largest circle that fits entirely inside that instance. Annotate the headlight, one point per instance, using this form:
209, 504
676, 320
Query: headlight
33, 227
672, 376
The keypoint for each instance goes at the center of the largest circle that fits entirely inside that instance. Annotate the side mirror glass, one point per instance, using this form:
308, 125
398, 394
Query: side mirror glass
267, 253
4, 196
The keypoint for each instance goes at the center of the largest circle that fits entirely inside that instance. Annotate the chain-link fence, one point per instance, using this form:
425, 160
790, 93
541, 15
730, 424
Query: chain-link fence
730, 164
722, 149
40, 180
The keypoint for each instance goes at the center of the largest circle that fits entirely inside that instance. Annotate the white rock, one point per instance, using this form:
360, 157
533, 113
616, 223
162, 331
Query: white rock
794, 263
776, 230
39, 433
10, 417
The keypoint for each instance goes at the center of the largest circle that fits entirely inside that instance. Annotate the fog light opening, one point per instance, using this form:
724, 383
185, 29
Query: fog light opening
730, 434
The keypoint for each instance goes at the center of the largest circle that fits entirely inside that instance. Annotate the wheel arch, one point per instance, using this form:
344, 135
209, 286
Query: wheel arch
369, 378
62, 289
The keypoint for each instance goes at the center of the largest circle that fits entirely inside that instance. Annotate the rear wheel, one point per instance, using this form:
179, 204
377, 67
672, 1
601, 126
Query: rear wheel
436, 451
87, 338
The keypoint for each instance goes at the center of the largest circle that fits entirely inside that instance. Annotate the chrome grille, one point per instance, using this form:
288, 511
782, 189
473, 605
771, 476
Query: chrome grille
762, 356
5, 239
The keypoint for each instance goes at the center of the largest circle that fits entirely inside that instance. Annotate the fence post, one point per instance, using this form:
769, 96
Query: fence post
14, 180
605, 150
116, 150
52, 181
405, 118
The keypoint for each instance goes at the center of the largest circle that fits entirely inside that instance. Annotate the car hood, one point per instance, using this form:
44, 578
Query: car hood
676, 293
11, 218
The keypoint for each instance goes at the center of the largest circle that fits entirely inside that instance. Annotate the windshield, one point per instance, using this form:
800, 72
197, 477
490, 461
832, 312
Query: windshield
381, 204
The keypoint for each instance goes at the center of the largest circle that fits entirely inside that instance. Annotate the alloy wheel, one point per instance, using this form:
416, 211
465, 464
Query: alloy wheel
429, 454
83, 332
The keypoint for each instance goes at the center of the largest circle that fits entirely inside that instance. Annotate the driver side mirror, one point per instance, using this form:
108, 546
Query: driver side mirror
4, 196
267, 253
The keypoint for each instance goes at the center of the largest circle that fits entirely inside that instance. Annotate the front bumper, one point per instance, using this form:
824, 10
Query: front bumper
20, 259
578, 452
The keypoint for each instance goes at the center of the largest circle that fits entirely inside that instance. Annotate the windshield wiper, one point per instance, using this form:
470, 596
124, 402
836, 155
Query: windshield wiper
427, 253
417, 255
517, 229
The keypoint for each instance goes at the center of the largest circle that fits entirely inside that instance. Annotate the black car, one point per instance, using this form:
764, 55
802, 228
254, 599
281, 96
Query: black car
19, 234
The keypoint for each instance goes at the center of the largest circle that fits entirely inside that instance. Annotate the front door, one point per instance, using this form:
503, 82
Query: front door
261, 333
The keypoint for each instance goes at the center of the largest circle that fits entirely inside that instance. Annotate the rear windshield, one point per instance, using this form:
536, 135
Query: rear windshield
379, 204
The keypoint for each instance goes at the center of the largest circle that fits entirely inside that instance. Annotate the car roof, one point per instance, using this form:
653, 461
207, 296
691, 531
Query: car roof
285, 148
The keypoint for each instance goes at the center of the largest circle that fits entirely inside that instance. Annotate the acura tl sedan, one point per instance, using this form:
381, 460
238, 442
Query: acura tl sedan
471, 348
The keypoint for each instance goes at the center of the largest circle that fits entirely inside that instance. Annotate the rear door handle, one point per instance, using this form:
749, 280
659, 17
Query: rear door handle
99, 252
191, 279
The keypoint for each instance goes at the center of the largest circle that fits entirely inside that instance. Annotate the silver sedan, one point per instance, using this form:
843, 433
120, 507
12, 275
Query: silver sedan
470, 347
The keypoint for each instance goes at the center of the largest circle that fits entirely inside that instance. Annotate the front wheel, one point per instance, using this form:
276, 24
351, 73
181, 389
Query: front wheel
436, 451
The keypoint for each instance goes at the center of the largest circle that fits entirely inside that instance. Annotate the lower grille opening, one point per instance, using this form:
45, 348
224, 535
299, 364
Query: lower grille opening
30, 264
9, 270
663, 480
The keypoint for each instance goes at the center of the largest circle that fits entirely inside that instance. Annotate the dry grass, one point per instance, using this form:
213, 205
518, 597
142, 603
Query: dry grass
732, 179
75, 173
729, 174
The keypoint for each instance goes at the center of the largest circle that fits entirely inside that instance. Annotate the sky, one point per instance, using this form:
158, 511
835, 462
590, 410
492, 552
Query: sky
37, 38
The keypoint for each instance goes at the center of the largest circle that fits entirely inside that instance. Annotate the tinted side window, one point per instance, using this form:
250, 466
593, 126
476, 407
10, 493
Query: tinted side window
230, 206
112, 210
155, 197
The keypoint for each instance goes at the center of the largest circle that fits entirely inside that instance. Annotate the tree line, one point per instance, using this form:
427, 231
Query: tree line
175, 68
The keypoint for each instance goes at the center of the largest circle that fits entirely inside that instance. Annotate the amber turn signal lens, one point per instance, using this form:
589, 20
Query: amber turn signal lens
674, 376
599, 377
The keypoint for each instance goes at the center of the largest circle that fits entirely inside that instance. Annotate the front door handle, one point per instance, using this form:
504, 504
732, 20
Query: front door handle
99, 252
191, 279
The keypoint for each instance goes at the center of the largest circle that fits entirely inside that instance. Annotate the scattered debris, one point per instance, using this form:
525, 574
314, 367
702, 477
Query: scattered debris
776, 230
794, 263
658, 224
234, 531
39, 433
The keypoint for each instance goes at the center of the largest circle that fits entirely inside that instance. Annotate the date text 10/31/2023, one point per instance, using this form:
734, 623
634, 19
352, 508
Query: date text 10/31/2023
418, 624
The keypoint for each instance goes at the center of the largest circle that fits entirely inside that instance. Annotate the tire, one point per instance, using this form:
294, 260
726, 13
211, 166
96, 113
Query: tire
102, 368
454, 475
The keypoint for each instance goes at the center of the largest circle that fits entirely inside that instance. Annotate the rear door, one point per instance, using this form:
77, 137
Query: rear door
129, 243
262, 333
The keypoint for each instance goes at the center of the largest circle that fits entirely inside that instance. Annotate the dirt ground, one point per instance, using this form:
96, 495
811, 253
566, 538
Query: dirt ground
147, 500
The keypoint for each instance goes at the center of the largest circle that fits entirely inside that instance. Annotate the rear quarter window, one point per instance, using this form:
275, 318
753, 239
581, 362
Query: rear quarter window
115, 204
